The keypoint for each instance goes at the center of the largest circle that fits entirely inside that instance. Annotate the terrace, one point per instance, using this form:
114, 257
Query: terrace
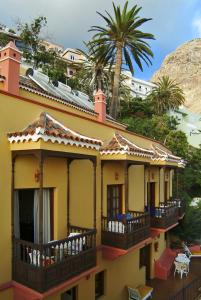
175, 288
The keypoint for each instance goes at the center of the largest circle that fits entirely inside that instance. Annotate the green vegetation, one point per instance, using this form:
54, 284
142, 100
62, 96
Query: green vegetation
35, 52
121, 40
4, 39
166, 95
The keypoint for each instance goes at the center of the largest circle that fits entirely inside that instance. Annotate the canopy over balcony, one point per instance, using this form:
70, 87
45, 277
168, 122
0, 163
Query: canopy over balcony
48, 133
121, 148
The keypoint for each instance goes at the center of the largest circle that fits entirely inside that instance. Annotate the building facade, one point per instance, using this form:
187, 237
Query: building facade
85, 204
139, 88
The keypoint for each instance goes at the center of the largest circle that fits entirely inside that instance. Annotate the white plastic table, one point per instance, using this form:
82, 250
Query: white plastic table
182, 259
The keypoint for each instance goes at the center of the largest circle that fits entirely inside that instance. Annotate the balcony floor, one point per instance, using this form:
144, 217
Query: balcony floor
164, 289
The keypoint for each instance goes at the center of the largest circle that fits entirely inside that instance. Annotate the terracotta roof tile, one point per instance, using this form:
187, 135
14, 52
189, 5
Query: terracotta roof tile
120, 144
49, 129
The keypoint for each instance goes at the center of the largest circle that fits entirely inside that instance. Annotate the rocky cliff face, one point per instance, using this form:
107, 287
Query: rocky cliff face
184, 65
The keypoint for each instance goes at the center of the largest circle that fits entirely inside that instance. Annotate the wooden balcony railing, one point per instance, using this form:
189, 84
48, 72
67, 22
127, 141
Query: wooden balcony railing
181, 206
164, 216
43, 266
127, 232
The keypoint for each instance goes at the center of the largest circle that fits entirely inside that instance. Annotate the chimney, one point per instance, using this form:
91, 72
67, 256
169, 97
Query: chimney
100, 105
10, 58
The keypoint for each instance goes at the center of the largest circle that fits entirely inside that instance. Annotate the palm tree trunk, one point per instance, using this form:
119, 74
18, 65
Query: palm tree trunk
114, 107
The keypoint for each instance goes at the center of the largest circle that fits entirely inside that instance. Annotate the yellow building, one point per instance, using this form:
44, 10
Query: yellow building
84, 203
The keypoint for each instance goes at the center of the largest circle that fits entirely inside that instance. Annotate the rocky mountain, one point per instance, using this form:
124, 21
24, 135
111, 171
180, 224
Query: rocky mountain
184, 65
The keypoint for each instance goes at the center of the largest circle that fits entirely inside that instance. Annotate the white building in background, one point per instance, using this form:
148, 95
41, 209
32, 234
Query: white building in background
190, 124
139, 88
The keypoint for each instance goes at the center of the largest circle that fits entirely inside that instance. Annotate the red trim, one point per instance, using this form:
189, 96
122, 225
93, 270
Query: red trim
161, 230
6, 285
78, 116
111, 253
33, 295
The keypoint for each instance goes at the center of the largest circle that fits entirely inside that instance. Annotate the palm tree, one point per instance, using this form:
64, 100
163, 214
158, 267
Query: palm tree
96, 71
166, 95
121, 40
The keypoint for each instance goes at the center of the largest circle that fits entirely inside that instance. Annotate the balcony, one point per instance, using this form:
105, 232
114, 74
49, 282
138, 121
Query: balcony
127, 232
43, 266
180, 205
164, 216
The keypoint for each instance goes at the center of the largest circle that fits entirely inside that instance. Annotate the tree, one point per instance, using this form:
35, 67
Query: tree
34, 51
119, 41
166, 95
176, 141
190, 227
4, 39
30, 35
96, 72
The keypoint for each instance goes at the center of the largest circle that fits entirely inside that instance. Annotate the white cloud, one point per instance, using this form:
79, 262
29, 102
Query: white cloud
197, 25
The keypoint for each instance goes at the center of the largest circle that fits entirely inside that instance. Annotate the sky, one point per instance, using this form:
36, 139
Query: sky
173, 22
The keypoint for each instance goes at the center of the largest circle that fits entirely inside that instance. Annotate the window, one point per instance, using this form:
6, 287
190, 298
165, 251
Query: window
114, 200
72, 57
70, 294
99, 284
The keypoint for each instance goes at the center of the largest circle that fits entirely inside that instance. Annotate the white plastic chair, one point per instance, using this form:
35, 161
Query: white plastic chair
181, 269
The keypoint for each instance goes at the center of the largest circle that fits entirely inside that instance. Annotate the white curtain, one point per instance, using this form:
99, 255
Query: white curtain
46, 216
36, 216
16, 215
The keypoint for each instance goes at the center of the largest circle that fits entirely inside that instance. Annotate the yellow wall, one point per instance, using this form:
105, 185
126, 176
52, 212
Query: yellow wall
16, 114
81, 193
136, 188
115, 285
7, 294
160, 239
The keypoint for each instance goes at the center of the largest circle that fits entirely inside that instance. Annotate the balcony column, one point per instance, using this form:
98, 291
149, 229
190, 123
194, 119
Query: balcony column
102, 165
148, 189
41, 166
164, 187
126, 186
68, 163
170, 183
145, 200
12, 208
12, 192
94, 189
177, 180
